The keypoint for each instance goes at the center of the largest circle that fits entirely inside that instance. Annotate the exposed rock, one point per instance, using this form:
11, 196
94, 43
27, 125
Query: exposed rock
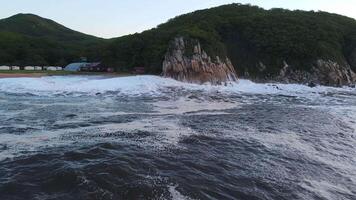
198, 67
332, 73
284, 70
322, 73
186, 61
261, 67
312, 84
352, 59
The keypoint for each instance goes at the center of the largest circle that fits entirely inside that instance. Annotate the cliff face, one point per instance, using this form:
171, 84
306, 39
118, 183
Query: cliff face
186, 61
323, 72
197, 67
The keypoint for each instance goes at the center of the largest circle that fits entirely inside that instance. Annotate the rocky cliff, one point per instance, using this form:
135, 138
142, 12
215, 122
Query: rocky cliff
323, 72
186, 61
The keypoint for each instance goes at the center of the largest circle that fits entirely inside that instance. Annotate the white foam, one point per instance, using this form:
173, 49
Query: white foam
325, 189
186, 106
167, 132
136, 85
175, 194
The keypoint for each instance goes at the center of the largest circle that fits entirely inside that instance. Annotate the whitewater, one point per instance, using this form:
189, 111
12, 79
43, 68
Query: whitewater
148, 137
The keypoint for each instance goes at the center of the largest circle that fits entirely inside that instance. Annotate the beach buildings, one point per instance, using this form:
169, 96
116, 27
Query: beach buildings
5, 68
138, 70
15, 68
53, 68
75, 67
29, 68
88, 67
38, 68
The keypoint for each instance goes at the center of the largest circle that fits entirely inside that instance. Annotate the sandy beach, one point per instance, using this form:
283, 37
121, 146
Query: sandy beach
21, 75
58, 73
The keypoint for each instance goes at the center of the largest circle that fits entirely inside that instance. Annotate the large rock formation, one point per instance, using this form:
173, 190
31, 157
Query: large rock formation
323, 72
332, 73
186, 61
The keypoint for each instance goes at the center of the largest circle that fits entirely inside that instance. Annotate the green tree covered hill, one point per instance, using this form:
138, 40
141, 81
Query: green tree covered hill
247, 35
27, 39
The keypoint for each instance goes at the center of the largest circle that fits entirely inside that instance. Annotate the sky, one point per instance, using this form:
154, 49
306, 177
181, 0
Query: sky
114, 18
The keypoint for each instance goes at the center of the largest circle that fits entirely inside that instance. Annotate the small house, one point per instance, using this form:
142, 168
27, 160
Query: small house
110, 70
75, 67
94, 67
139, 70
51, 68
5, 68
15, 68
88, 67
29, 68
59, 68
38, 68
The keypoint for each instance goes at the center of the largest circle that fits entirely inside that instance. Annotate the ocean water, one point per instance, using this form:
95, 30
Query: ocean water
147, 137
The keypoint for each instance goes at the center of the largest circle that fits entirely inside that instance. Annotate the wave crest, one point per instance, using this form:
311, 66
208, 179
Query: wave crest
152, 85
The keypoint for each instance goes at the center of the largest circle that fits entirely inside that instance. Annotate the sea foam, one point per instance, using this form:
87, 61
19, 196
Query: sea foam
137, 85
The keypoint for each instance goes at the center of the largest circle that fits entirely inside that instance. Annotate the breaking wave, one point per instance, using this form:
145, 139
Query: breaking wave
154, 85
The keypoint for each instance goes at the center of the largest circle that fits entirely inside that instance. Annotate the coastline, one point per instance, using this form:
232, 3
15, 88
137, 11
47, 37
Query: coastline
37, 74
22, 75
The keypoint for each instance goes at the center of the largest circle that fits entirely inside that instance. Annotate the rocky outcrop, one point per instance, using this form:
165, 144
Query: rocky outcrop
352, 59
186, 61
323, 72
332, 73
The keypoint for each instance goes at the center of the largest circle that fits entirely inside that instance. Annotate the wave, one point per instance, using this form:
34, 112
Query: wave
147, 84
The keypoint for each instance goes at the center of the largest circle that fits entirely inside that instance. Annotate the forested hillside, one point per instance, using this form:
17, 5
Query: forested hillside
27, 39
248, 35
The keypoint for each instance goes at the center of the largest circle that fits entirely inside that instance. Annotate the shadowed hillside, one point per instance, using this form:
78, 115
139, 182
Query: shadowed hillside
259, 42
27, 39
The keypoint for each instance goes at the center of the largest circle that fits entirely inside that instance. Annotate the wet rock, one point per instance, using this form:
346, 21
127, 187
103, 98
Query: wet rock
323, 72
261, 67
312, 84
71, 116
333, 73
352, 59
198, 67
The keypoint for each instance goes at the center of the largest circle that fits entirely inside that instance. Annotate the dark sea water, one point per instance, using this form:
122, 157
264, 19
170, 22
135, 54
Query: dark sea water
147, 137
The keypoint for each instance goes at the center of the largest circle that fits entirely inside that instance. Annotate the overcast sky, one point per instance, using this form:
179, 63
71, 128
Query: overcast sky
113, 18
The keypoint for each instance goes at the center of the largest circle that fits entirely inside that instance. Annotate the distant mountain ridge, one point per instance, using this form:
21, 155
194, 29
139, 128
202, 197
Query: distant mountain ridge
35, 26
27, 39
263, 45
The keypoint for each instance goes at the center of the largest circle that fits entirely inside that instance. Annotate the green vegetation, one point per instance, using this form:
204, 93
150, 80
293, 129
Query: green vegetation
246, 34
27, 39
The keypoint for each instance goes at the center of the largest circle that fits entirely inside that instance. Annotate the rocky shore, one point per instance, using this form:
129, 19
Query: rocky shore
323, 72
21, 75
187, 61
198, 67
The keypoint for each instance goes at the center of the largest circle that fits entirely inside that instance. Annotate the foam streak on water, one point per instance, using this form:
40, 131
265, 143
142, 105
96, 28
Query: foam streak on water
147, 137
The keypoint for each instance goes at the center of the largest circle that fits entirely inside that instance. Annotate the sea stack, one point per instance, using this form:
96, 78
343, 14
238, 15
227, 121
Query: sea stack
186, 61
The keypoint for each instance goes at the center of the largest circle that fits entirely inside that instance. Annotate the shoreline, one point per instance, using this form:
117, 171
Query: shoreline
20, 75
36, 74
